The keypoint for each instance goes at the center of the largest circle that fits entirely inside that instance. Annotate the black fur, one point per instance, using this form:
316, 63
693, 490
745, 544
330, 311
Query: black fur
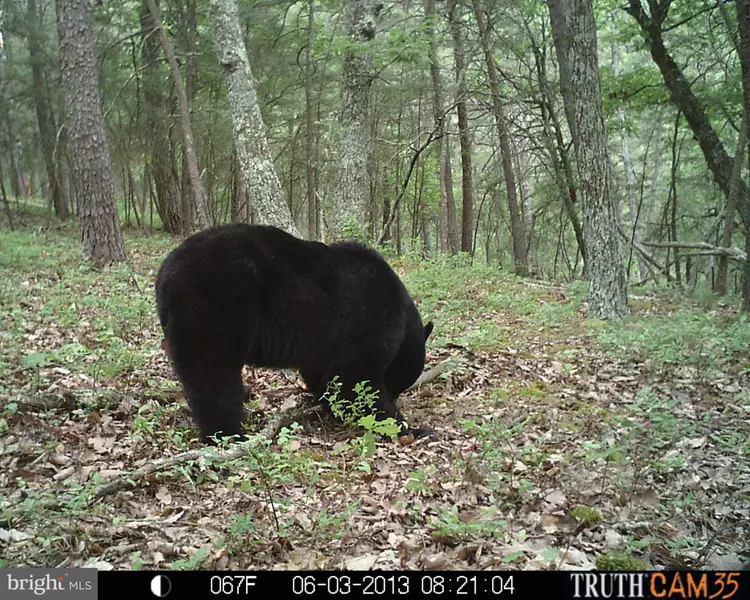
237, 295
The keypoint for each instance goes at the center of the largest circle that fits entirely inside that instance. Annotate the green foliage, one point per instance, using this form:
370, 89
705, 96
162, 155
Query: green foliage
419, 481
359, 411
618, 561
708, 341
500, 446
85, 325
193, 562
450, 524
587, 515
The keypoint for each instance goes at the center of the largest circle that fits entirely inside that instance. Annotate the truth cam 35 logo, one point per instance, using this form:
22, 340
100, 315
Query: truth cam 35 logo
682, 585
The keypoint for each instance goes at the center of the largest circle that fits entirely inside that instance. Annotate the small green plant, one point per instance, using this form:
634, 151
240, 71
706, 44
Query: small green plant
618, 561
242, 533
360, 412
419, 481
450, 525
191, 563
500, 446
334, 526
588, 516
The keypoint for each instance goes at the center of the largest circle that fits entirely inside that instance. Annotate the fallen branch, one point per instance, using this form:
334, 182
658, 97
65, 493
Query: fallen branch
270, 431
705, 247
638, 247
42, 401
118, 483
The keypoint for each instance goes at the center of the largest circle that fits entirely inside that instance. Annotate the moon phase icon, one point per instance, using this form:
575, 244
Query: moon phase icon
160, 586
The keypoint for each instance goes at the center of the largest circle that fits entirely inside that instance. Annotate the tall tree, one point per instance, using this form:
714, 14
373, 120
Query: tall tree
257, 167
718, 161
189, 33
743, 20
630, 187
573, 25
191, 155
448, 227
467, 185
45, 116
156, 130
350, 200
520, 255
312, 232
92, 176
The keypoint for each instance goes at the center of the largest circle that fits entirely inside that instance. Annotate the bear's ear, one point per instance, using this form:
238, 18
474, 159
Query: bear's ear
428, 330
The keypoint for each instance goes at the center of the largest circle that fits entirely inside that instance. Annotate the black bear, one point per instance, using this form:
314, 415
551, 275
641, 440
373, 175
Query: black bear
235, 295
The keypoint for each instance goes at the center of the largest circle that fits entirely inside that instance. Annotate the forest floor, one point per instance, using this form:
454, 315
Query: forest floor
561, 443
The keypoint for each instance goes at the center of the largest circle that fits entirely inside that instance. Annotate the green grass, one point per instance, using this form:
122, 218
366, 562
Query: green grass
62, 312
687, 336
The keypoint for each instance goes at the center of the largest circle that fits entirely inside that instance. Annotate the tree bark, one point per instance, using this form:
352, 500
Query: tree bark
578, 58
467, 186
447, 222
188, 26
44, 114
14, 150
258, 170
630, 190
350, 201
558, 152
6, 204
520, 257
653, 193
312, 233
191, 155
92, 176
156, 129
743, 21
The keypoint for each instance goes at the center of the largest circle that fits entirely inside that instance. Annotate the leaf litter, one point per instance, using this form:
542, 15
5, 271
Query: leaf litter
530, 429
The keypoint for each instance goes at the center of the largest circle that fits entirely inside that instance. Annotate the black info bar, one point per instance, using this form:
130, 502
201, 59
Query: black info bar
545, 585
89, 584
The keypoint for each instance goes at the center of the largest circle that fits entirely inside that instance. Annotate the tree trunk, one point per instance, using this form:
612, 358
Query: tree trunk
520, 257
156, 129
93, 181
731, 207
526, 203
188, 26
630, 189
672, 201
654, 191
558, 152
743, 20
16, 173
578, 58
350, 200
310, 123
467, 186
6, 204
448, 227
201, 202
258, 169
44, 114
